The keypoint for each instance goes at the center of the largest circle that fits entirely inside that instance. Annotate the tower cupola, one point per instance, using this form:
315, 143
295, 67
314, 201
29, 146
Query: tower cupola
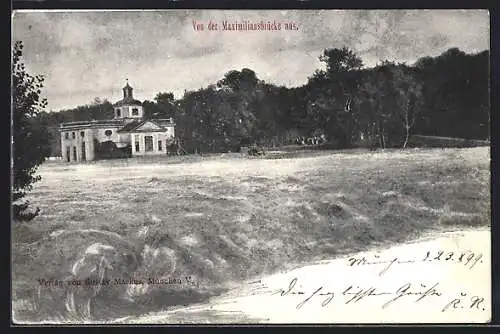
128, 107
127, 92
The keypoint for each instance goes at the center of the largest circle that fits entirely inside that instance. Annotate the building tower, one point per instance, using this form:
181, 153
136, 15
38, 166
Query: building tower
128, 108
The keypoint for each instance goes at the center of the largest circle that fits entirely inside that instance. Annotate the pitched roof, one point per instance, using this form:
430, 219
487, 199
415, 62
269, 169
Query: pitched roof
103, 122
133, 125
130, 126
164, 121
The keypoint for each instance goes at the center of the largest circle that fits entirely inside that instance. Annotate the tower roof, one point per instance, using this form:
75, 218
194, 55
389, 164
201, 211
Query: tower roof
128, 97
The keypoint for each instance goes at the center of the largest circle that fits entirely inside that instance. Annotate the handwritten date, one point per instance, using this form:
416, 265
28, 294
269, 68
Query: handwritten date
467, 258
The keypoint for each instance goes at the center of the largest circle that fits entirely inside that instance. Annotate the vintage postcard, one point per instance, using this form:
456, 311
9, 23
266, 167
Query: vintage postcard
251, 167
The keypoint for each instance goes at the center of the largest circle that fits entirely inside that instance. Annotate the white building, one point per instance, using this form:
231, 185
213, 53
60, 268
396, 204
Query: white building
128, 131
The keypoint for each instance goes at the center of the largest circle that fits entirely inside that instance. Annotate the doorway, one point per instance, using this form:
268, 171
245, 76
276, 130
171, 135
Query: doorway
148, 143
84, 153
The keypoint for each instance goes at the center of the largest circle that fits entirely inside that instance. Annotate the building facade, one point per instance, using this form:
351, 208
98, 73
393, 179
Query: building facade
128, 131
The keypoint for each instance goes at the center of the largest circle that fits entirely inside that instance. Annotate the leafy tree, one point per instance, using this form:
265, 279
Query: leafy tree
408, 93
164, 98
340, 60
30, 139
331, 93
455, 94
245, 79
151, 109
390, 99
369, 110
166, 105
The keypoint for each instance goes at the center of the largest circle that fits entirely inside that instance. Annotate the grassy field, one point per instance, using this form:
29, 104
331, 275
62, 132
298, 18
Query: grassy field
224, 218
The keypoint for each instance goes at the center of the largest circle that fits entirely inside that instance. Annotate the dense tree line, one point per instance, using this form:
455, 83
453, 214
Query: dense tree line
349, 104
455, 95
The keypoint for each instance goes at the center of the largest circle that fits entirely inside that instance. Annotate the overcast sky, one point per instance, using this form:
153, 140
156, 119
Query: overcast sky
85, 55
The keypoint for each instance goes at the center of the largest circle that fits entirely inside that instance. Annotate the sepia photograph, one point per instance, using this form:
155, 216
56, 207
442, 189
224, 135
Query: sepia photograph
250, 167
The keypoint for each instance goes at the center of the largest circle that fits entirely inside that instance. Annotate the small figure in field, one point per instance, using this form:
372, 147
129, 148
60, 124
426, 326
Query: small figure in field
175, 148
300, 140
254, 151
374, 146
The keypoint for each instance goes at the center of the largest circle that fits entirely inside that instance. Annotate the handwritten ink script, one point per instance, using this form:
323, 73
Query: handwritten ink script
466, 258
445, 280
355, 294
